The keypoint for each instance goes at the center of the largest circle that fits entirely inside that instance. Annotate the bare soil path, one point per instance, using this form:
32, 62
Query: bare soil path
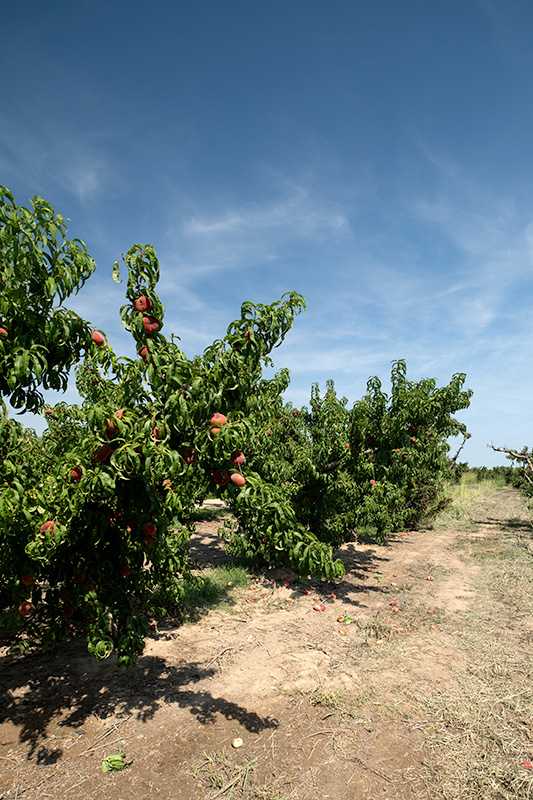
414, 681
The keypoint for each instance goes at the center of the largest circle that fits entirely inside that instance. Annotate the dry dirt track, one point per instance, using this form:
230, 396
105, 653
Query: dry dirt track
325, 709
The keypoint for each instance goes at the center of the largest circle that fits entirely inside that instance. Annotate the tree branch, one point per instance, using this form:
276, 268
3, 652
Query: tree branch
524, 458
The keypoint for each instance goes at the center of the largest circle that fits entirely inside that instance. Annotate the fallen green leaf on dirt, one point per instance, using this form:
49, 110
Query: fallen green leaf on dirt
345, 620
115, 762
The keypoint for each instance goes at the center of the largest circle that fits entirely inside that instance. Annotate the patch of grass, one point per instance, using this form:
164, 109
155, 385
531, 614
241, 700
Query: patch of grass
269, 794
374, 628
484, 727
338, 703
367, 534
510, 576
471, 503
219, 772
335, 701
211, 514
419, 616
364, 697
469, 477
425, 569
507, 571
480, 730
216, 588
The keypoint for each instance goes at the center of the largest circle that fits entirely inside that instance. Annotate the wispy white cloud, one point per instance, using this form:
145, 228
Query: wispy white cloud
299, 214
253, 234
48, 157
86, 175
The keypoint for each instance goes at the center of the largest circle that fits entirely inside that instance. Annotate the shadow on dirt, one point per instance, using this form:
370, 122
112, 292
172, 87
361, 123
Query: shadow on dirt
68, 687
362, 562
513, 524
206, 546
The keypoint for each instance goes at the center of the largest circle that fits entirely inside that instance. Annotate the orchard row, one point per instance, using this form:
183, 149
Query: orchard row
96, 515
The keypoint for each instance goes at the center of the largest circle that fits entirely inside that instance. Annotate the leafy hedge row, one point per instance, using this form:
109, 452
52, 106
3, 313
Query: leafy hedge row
96, 515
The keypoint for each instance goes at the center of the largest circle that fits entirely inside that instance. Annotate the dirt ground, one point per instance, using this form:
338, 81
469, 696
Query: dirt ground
413, 679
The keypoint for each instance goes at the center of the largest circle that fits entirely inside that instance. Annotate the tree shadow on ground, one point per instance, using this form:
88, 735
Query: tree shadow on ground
67, 687
361, 563
512, 524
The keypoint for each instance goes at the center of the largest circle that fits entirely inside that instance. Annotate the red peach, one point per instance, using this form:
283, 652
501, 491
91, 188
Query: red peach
237, 458
102, 453
76, 474
190, 455
221, 478
25, 608
142, 304
150, 529
151, 325
48, 526
79, 578
159, 432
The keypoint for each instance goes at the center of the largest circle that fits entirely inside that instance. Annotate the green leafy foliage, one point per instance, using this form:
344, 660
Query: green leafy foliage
400, 442
39, 269
336, 473
520, 474
96, 515
115, 762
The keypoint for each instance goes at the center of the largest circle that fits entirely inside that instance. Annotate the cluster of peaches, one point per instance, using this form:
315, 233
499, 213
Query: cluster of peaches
143, 305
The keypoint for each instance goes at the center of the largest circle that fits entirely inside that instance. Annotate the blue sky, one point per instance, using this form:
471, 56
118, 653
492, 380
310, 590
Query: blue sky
373, 155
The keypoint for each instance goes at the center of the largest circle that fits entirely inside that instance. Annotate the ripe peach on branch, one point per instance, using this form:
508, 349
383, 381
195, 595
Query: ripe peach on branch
238, 458
48, 526
150, 324
112, 427
142, 304
221, 478
102, 453
190, 455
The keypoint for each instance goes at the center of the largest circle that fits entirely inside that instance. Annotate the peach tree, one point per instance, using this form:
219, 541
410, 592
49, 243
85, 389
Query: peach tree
96, 514
40, 340
520, 474
342, 473
399, 449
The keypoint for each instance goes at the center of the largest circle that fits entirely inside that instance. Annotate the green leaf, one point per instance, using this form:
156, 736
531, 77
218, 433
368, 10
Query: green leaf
107, 480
